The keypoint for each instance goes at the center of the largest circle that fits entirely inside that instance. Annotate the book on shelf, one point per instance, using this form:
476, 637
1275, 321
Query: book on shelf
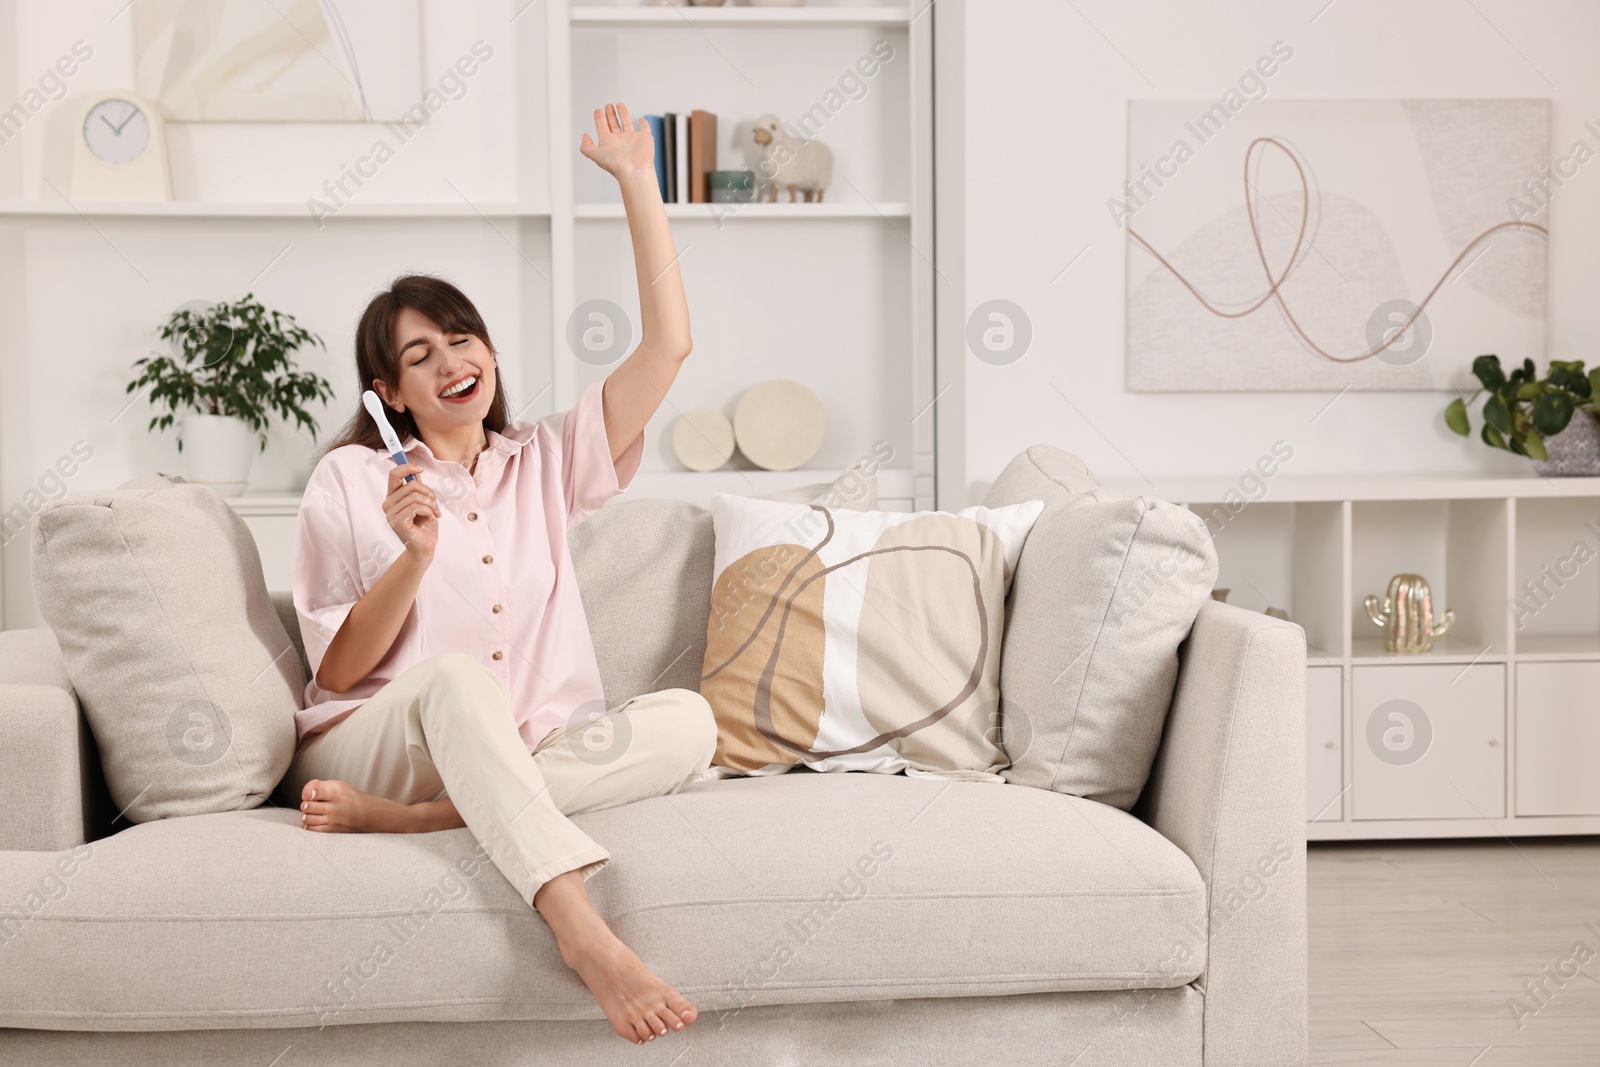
657, 135
682, 157
669, 122
702, 154
686, 151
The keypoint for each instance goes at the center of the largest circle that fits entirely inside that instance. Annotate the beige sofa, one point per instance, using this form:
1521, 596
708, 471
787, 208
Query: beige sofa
814, 918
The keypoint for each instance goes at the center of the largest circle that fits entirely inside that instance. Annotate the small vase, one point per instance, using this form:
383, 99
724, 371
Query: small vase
1574, 451
218, 451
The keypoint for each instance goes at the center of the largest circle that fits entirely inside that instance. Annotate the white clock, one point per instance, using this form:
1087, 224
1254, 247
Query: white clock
120, 151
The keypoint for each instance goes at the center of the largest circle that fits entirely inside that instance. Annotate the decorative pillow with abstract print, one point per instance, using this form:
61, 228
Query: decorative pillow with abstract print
859, 640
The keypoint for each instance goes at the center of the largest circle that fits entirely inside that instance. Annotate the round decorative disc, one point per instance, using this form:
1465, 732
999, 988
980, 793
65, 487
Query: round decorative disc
703, 439
779, 424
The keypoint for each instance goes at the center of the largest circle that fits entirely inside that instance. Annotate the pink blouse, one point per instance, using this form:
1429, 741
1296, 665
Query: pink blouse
501, 586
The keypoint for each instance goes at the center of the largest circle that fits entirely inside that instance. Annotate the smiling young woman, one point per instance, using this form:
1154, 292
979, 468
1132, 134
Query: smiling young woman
459, 686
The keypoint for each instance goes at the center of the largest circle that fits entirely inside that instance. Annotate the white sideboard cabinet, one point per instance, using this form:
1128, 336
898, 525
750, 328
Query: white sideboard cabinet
1497, 730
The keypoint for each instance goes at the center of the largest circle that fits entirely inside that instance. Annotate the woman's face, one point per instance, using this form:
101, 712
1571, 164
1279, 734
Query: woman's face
434, 367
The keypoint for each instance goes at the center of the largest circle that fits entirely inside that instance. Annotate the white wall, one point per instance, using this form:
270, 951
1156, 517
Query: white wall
1045, 130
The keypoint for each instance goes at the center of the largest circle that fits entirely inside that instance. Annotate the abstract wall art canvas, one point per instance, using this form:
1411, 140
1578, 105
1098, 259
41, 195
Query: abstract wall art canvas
1319, 245
287, 61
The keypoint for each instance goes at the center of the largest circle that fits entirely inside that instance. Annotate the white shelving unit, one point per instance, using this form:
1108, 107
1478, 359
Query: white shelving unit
1509, 700
868, 233
837, 295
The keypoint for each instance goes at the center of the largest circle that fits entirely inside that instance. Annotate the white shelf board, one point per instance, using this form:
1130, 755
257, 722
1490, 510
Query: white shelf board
714, 212
1284, 488
762, 17
894, 483
1366, 651
1533, 649
217, 209
262, 504
1520, 826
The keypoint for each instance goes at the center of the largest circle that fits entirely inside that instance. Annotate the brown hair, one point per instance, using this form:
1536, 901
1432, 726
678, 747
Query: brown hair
376, 359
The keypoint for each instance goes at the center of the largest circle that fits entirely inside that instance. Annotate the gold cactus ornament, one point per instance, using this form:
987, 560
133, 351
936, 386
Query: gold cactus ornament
1406, 615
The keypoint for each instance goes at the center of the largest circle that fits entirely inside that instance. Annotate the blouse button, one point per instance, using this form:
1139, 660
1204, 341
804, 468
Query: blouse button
497, 655
472, 516
495, 609
488, 559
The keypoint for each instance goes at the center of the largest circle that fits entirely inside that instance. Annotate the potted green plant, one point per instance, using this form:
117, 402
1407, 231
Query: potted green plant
231, 365
1532, 416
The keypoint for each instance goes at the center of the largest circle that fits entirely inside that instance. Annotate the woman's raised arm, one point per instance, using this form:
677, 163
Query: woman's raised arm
634, 390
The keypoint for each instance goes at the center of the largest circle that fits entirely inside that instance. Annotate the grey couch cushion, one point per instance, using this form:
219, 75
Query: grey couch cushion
183, 669
802, 887
644, 569
1106, 590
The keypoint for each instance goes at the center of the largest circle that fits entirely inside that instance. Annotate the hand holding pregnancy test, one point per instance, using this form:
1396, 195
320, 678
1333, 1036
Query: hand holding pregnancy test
390, 439
412, 510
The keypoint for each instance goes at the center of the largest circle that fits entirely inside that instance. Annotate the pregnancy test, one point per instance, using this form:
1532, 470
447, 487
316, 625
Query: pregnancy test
375, 409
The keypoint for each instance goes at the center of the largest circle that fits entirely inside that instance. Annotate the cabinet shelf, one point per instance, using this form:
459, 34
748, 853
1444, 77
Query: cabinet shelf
751, 211
1370, 650
1534, 648
264, 210
758, 17
1288, 488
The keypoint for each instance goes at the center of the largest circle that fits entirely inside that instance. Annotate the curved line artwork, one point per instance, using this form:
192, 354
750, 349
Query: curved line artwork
1275, 283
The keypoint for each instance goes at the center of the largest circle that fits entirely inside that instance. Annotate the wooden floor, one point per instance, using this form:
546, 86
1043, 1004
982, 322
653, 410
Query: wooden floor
1417, 948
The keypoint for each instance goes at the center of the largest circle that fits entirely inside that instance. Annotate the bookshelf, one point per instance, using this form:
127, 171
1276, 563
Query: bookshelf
837, 295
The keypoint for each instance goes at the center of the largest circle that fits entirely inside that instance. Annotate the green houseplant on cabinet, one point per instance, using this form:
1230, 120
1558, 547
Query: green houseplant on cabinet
231, 366
1551, 420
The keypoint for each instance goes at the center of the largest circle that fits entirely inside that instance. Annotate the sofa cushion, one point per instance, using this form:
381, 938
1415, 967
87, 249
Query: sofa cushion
184, 671
644, 571
1106, 590
801, 887
865, 641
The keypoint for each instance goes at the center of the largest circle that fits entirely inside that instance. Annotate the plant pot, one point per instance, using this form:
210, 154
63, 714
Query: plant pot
1574, 451
218, 451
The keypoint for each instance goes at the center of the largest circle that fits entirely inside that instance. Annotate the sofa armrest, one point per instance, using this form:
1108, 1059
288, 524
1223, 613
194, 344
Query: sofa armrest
50, 784
1228, 787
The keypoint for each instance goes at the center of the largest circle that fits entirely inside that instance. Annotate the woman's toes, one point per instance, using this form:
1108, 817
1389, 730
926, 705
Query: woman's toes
658, 1021
684, 1010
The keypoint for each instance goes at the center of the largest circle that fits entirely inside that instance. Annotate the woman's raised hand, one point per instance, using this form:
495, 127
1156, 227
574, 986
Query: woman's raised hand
413, 511
622, 147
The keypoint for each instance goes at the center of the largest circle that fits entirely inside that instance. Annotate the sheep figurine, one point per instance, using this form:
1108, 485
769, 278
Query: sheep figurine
787, 161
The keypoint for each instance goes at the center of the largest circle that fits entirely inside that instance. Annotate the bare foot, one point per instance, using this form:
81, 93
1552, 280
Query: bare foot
640, 1006
339, 807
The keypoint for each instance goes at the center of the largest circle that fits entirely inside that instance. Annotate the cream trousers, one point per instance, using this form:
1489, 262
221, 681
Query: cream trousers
444, 728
